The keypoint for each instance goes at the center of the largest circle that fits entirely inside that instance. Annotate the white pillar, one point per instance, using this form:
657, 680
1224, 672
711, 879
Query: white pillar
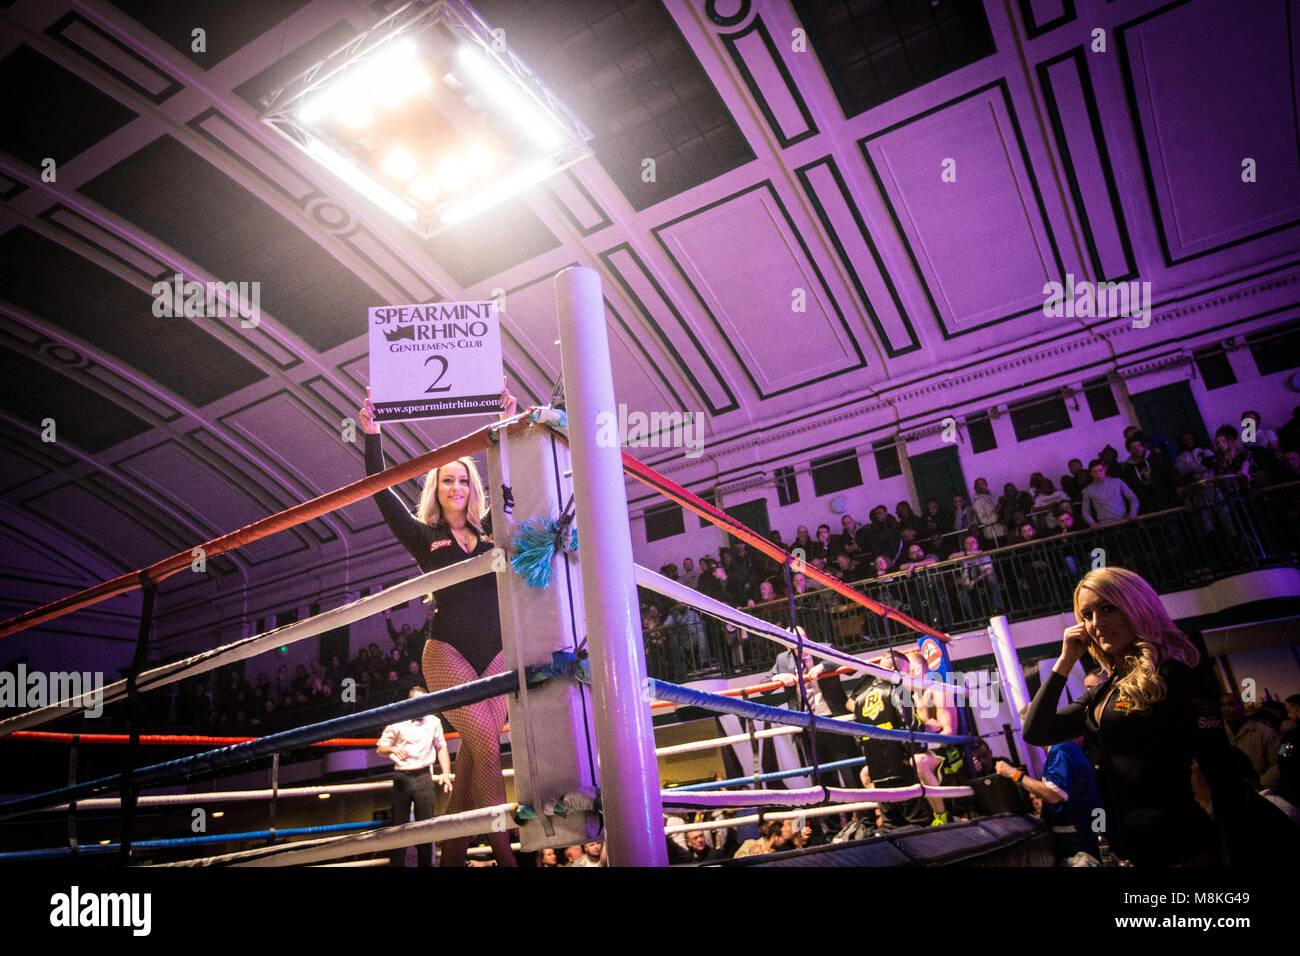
629, 773
1013, 679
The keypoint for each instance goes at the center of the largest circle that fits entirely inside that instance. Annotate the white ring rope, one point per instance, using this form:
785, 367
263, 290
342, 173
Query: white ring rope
684, 595
724, 822
258, 644
437, 829
802, 797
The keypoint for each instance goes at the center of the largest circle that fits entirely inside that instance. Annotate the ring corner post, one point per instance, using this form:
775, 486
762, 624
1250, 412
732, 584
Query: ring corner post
630, 787
1013, 678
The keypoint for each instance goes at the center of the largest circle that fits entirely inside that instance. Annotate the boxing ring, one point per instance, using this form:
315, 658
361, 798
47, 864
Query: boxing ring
580, 702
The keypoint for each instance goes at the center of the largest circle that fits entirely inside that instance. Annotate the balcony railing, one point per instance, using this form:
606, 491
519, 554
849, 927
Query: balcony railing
1223, 530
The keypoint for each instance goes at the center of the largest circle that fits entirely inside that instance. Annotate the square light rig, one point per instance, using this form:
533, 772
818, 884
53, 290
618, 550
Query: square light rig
430, 116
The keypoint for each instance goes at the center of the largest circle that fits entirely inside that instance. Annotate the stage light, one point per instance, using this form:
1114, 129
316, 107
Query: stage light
452, 174
496, 192
399, 163
509, 97
425, 189
429, 153
351, 173
354, 113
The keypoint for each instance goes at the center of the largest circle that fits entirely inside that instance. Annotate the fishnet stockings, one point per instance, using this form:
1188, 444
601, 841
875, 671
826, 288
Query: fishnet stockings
478, 761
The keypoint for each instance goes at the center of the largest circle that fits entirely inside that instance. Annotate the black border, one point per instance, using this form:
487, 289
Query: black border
584, 231
1034, 29
1157, 209
711, 11
607, 258
730, 41
1063, 148
56, 31
832, 233
763, 184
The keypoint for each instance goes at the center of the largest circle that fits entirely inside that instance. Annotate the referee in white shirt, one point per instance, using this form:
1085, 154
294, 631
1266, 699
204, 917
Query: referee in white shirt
412, 745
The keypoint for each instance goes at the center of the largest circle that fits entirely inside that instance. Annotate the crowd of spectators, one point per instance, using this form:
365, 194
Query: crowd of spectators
1157, 473
229, 703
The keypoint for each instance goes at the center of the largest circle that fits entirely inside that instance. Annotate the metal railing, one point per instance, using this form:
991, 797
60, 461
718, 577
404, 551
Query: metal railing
1222, 530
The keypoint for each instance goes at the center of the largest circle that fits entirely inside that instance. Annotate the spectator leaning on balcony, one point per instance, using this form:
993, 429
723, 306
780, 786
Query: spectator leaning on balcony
1264, 437
1192, 463
1235, 458
1046, 498
1107, 500
986, 513
1150, 475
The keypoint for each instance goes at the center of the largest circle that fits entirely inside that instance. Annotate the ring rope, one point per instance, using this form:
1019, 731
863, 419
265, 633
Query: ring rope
173, 842
272, 524
669, 588
763, 777
801, 679
806, 796
155, 774
260, 643
778, 715
435, 830
670, 489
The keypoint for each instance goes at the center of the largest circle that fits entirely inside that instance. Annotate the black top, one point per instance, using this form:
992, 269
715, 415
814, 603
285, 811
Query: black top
467, 615
875, 704
1146, 761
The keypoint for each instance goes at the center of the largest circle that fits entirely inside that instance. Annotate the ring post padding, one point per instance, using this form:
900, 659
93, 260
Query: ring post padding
628, 768
552, 737
1013, 679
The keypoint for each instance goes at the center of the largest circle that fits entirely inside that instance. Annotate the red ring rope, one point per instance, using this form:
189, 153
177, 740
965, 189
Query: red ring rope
670, 489
272, 524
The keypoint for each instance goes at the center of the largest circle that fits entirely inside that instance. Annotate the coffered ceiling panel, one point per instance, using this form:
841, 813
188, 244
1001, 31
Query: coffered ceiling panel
1242, 136
745, 249
960, 187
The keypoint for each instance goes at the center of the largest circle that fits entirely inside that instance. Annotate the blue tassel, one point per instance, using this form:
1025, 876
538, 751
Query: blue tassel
535, 544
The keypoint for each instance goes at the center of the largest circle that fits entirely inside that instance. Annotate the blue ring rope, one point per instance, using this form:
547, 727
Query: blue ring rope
16, 855
155, 774
777, 715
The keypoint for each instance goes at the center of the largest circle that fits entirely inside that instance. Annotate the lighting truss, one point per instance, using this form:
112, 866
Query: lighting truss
430, 116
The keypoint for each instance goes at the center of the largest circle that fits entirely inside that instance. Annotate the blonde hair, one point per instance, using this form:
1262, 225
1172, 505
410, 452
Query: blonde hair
430, 508
1158, 638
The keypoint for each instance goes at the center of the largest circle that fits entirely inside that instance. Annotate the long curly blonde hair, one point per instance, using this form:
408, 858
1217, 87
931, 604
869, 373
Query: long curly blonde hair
430, 508
1158, 638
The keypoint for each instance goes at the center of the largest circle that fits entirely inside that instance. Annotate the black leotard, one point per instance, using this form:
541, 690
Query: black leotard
1146, 761
467, 615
